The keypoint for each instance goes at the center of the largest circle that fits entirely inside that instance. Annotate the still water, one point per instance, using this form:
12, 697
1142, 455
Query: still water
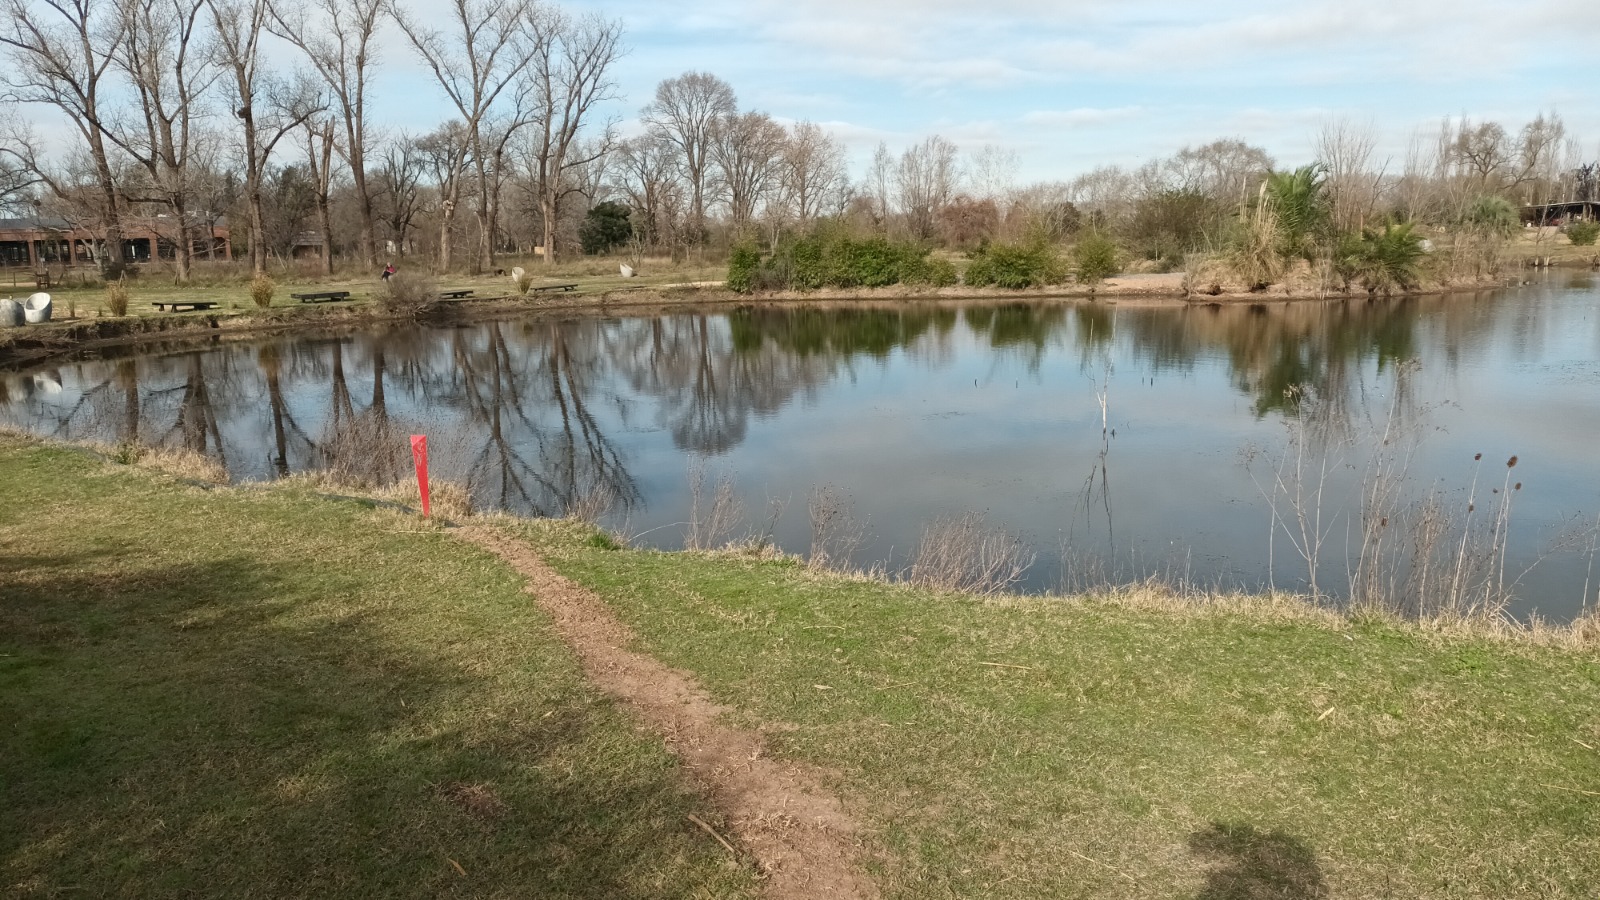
1118, 441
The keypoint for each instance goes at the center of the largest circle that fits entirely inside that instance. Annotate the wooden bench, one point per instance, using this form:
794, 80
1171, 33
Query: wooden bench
321, 296
554, 287
455, 295
198, 305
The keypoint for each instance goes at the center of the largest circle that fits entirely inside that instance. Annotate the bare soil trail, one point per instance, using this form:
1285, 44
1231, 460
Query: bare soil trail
780, 813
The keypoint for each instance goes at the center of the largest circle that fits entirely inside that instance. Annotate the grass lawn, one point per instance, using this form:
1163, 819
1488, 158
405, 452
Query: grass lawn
229, 693
255, 693
228, 285
1089, 749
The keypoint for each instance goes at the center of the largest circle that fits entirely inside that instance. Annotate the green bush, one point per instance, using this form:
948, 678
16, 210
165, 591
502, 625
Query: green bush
1094, 259
1583, 234
934, 271
1382, 261
744, 264
830, 257
606, 226
1015, 265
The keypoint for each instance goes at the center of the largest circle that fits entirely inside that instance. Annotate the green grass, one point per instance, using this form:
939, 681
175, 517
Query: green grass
260, 693
264, 693
1140, 752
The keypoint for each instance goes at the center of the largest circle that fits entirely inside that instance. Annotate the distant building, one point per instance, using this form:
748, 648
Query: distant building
40, 242
1561, 213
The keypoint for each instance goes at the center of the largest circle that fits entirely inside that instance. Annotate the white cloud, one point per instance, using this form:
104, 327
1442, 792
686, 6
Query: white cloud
1081, 117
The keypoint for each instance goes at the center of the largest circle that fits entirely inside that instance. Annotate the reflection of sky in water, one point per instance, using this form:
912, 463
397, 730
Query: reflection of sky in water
916, 415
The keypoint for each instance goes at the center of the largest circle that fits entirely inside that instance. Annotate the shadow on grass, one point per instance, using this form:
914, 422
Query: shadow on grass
242, 726
1257, 865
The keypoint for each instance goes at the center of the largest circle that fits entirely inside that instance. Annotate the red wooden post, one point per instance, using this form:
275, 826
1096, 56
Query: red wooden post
419, 454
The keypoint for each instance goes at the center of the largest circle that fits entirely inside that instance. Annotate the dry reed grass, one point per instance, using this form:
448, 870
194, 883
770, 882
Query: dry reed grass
964, 554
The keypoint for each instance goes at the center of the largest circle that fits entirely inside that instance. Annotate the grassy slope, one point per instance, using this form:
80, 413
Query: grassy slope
1142, 753
253, 694
230, 289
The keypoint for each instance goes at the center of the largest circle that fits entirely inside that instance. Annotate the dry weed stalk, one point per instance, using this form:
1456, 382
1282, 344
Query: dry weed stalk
711, 524
964, 554
836, 534
592, 505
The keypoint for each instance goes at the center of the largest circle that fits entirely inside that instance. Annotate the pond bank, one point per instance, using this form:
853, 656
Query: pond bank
39, 344
398, 719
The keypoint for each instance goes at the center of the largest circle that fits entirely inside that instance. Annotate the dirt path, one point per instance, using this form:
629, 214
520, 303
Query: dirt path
779, 812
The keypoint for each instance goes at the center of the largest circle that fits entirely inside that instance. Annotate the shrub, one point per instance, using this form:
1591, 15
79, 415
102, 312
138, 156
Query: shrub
1381, 260
117, 297
605, 227
744, 264
935, 271
1583, 234
1015, 265
1094, 259
409, 294
830, 257
261, 290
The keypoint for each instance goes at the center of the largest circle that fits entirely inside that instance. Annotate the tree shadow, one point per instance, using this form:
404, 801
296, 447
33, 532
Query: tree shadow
234, 726
1257, 865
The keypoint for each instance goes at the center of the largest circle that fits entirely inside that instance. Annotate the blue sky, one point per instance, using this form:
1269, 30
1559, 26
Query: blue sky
1073, 84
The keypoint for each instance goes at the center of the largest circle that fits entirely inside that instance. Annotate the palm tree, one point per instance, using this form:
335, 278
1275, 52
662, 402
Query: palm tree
1300, 200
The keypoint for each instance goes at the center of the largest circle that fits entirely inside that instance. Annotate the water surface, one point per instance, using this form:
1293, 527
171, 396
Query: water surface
1118, 441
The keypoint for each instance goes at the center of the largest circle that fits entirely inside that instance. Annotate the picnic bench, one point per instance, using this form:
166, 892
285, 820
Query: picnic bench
198, 305
555, 287
321, 296
455, 295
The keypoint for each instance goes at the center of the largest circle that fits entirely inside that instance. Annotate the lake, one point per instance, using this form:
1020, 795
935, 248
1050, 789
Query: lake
1219, 447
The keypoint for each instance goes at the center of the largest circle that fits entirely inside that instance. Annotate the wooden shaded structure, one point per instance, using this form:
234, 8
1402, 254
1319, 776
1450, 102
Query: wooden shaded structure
41, 242
1561, 213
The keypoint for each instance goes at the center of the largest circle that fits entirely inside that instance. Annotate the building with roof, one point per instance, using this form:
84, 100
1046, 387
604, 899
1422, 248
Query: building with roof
41, 242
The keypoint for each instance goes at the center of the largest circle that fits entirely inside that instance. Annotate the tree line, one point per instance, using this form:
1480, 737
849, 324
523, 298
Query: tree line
179, 121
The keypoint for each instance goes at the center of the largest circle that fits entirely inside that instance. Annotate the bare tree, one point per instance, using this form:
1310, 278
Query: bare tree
570, 74
1227, 170
399, 185
1344, 148
682, 114
814, 175
748, 150
61, 56
340, 46
165, 60
647, 172
444, 153
881, 177
924, 181
238, 26
993, 174
490, 46
319, 134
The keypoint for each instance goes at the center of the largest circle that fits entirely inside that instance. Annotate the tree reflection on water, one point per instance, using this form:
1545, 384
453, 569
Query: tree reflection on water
539, 416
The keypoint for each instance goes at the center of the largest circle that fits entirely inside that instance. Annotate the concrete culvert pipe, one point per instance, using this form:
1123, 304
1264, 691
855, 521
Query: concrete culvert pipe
36, 308
10, 313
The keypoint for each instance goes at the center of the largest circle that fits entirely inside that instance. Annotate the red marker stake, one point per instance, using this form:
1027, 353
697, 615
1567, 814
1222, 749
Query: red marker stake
419, 453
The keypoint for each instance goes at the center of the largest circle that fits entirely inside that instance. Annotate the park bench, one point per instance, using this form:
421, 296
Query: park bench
554, 287
456, 294
321, 296
198, 305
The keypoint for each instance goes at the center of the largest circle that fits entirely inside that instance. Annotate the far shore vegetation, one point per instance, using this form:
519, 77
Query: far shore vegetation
232, 691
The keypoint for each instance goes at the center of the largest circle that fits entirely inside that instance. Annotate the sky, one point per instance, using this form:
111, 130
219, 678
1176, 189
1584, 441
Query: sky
1070, 85
1073, 84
